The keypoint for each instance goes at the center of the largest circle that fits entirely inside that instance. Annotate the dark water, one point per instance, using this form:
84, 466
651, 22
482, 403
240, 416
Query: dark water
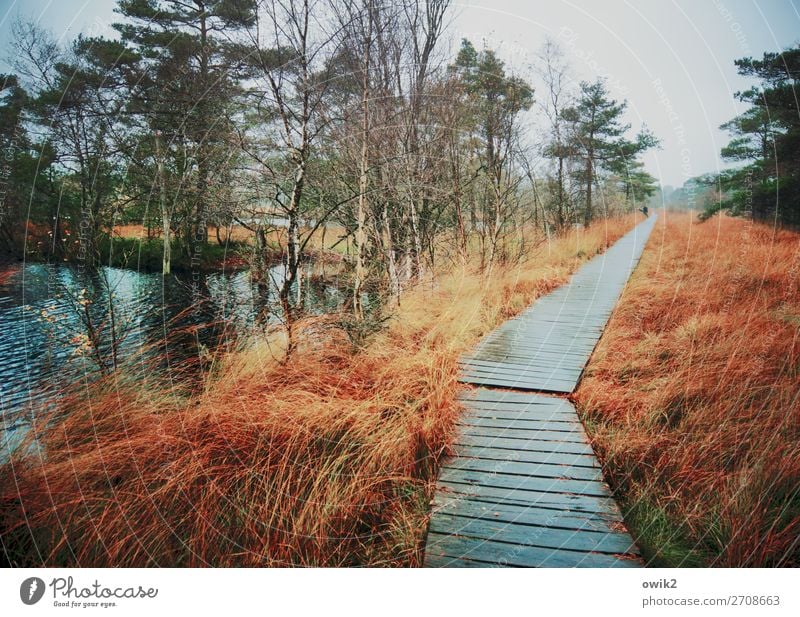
56, 323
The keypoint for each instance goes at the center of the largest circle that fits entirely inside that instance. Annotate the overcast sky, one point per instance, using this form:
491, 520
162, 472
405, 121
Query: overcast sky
672, 60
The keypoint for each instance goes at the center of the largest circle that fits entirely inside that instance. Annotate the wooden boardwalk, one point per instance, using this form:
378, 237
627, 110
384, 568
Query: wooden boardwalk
547, 346
524, 487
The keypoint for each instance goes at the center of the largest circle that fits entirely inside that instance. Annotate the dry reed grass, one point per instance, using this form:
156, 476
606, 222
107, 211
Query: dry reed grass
692, 395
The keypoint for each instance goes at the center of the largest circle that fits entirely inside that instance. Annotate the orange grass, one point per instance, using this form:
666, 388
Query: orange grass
692, 395
328, 460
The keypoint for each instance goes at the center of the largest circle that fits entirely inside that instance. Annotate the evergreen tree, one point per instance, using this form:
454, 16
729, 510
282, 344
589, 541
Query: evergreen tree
185, 92
766, 138
496, 101
598, 138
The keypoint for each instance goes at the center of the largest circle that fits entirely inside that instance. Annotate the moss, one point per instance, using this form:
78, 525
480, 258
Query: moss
664, 542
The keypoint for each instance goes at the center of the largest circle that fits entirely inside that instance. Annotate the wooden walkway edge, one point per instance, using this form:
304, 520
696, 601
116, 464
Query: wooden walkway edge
524, 487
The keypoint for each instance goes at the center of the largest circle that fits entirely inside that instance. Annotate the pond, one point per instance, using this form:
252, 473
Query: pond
60, 323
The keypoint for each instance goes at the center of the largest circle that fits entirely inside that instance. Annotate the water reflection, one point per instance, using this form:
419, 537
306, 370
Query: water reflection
59, 323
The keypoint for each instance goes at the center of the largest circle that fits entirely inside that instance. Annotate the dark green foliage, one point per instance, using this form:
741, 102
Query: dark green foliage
184, 96
766, 141
32, 190
497, 98
598, 138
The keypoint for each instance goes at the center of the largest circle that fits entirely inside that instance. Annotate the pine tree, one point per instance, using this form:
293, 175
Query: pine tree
598, 138
767, 138
190, 79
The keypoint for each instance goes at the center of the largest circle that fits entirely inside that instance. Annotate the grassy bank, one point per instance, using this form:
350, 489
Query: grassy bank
327, 460
146, 255
692, 396
130, 246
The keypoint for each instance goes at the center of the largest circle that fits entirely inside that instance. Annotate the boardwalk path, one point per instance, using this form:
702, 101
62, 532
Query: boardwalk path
525, 488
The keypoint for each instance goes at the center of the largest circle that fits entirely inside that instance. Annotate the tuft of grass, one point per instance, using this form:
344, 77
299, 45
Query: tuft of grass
691, 397
664, 543
329, 459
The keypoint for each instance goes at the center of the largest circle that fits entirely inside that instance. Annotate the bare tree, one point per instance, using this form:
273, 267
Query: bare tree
552, 69
289, 51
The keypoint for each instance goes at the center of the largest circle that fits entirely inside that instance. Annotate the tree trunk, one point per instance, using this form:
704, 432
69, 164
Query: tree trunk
589, 173
166, 219
462, 233
360, 236
359, 239
391, 260
416, 244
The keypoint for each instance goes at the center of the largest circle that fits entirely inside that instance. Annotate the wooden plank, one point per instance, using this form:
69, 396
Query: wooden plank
527, 358
526, 415
499, 479
545, 536
526, 456
525, 337
545, 349
503, 372
520, 367
470, 419
530, 325
532, 333
530, 385
526, 468
522, 377
505, 369
483, 417
522, 445
446, 550
568, 352
514, 406
506, 411
543, 499
529, 515
528, 364
508, 396
525, 434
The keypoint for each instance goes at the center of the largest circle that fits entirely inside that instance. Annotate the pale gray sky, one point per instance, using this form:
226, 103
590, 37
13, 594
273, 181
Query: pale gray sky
672, 60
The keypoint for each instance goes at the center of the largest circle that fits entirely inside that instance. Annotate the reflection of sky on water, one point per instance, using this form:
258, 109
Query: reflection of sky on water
41, 322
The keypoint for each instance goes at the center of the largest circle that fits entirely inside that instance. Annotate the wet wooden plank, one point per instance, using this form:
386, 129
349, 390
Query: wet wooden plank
499, 479
543, 469
516, 367
526, 515
524, 534
522, 376
518, 423
526, 456
527, 434
538, 385
445, 550
507, 411
507, 396
560, 501
522, 445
